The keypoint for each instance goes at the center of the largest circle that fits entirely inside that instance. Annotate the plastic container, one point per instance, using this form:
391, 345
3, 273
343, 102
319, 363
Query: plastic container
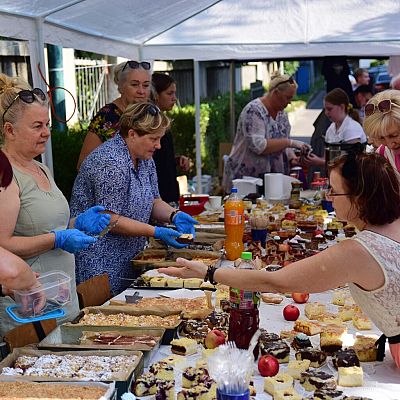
192, 204
234, 225
52, 295
244, 316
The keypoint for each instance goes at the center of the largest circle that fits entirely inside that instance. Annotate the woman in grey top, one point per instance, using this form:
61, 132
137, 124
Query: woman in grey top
262, 143
34, 214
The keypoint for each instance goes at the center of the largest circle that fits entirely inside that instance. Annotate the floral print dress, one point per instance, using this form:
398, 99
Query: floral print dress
106, 122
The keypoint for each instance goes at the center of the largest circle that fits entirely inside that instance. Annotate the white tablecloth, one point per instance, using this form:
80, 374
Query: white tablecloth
381, 379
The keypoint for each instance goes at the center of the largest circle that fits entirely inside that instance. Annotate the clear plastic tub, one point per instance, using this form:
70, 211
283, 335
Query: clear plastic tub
53, 294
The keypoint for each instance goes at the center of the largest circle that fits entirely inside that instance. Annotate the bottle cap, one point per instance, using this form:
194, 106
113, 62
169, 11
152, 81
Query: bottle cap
246, 255
234, 190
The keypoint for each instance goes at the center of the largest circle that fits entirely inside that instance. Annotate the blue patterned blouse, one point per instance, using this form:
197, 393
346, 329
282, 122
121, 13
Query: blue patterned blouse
107, 177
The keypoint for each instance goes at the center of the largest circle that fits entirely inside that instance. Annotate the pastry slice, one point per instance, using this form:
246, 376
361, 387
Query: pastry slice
145, 385
301, 341
162, 370
191, 376
308, 327
158, 281
330, 341
339, 297
315, 379
329, 395
365, 348
279, 349
313, 310
296, 367
350, 376
347, 312
192, 283
362, 322
345, 358
330, 318
288, 394
175, 282
184, 346
165, 390
174, 359
278, 382
317, 357
195, 393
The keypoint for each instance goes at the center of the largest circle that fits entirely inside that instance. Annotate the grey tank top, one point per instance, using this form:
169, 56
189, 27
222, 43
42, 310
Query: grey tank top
41, 212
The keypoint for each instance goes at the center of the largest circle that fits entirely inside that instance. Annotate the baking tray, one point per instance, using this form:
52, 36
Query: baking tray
66, 337
139, 284
122, 385
170, 333
167, 257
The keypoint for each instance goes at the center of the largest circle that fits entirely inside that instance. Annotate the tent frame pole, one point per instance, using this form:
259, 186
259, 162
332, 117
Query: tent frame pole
196, 72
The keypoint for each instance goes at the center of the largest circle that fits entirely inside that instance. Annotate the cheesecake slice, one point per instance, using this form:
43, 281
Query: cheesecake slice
288, 394
317, 357
296, 367
365, 348
315, 379
350, 376
278, 382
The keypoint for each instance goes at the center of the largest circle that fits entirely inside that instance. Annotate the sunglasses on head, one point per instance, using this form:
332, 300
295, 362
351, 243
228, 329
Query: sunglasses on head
135, 65
151, 109
290, 80
384, 106
27, 96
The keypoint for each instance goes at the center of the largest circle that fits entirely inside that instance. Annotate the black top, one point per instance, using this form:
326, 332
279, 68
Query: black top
166, 169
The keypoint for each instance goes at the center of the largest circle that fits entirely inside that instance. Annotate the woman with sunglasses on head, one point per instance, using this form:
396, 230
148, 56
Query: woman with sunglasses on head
134, 83
121, 176
382, 125
262, 143
164, 95
366, 193
34, 214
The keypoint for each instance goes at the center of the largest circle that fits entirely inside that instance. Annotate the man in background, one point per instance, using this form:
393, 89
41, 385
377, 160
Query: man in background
362, 95
362, 77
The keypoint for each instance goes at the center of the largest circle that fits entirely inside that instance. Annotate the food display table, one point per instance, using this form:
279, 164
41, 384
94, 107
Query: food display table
381, 379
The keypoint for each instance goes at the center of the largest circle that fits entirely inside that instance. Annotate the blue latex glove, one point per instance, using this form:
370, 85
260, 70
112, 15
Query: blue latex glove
72, 240
184, 223
168, 236
92, 221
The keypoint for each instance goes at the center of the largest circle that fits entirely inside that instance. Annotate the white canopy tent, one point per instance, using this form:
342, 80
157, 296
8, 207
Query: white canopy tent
204, 30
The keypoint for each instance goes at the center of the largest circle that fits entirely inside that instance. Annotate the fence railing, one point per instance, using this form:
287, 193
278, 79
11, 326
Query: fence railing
91, 87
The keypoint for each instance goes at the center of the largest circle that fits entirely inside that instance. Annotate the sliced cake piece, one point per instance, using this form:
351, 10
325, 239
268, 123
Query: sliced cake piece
195, 393
191, 376
315, 379
362, 322
365, 348
345, 358
287, 394
308, 327
145, 385
162, 370
350, 376
317, 357
296, 367
165, 390
278, 382
313, 310
279, 349
301, 341
184, 346
330, 340
329, 395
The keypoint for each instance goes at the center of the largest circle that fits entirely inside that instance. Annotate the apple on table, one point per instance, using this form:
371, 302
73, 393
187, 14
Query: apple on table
291, 312
268, 365
214, 339
300, 298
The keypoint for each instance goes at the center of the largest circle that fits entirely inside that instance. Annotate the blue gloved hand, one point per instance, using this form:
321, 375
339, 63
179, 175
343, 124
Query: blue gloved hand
72, 240
184, 223
92, 221
168, 236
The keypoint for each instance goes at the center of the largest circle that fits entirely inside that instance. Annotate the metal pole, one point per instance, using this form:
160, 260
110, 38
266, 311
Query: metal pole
56, 79
36, 53
232, 84
196, 71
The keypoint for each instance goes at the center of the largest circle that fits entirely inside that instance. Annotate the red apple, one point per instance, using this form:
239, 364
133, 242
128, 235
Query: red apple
214, 338
268, 365
318, 232
290, 216
300, 298
291, 313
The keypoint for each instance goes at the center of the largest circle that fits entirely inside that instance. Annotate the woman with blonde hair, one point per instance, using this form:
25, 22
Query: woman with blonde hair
34, 215
382, 125
133, 79
121, 176
262, 142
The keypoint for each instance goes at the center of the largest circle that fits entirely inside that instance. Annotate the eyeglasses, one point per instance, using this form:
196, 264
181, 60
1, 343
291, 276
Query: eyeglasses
151, 109
290, 80
384, 106
135, 65
330, 194
27, 96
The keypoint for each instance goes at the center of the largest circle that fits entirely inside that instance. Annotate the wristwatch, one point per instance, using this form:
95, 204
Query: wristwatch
171, 217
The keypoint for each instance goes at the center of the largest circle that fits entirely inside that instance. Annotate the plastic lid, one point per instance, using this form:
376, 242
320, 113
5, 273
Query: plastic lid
234, 190
246, 255
54, 314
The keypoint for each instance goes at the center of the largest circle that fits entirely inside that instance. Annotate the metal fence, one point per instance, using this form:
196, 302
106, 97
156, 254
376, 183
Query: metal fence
91, 87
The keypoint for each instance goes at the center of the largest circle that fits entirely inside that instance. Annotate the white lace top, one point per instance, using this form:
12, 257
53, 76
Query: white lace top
381, 305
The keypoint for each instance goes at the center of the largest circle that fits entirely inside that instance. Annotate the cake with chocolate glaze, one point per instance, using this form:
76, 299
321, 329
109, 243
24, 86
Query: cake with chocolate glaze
278, 348
345, 358
317, 357
315, 379
301, 341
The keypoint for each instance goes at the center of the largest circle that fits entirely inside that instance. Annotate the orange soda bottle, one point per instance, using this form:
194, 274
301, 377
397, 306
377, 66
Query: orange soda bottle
234, 225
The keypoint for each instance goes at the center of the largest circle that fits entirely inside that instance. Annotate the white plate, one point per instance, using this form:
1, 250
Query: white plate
207, 206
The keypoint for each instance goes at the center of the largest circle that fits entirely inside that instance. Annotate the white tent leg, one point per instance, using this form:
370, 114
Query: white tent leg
36, 51
196, 70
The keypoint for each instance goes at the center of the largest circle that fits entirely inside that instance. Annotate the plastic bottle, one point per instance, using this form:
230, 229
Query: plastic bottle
234, 225
244, 317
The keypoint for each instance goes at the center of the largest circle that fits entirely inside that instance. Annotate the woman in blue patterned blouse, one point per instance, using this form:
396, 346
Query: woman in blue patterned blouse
121, 176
